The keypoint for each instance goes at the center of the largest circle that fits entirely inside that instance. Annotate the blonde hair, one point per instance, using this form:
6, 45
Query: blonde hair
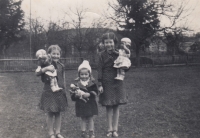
54, 47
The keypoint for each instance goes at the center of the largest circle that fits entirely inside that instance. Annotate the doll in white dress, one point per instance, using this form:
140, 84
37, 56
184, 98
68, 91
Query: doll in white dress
123, 61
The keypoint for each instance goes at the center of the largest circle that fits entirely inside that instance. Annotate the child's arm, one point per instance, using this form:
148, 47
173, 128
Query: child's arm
116, 52
73, 96
64, 78
128, 52
99, 70
94, 90
43, 70
38, 69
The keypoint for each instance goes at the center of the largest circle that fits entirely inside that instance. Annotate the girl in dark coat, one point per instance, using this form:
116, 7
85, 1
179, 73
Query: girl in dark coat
86, 110
112, 93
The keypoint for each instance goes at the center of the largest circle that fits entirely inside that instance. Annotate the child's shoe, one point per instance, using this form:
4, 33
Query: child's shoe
109, 134
58, 88
59, 135
55, 89
52, 136
115, 134
117, 78
91, 134
84, 135
121, 77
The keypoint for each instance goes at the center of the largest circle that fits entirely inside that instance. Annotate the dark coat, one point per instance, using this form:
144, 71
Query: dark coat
113, 91
89, 108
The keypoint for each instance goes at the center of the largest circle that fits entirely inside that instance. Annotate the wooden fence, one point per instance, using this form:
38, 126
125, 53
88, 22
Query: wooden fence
168, 60
73, 63
31, 64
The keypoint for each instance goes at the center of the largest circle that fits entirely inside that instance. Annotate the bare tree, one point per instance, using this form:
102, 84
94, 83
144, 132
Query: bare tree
140, 19
84, 36
77, 38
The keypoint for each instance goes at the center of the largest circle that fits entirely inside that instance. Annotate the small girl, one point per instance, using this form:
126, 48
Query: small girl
112, 94
123, 61
86, 110
53, 103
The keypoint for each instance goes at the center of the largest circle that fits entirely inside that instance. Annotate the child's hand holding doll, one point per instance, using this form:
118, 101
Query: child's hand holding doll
79, 93
50, 68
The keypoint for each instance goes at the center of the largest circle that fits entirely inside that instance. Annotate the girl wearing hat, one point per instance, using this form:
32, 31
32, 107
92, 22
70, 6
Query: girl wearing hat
111, 89
123, 61
86, 110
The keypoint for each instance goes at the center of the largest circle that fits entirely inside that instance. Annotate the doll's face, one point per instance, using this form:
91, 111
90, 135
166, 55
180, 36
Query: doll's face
109, 44
84, 74
124, 44
43, 59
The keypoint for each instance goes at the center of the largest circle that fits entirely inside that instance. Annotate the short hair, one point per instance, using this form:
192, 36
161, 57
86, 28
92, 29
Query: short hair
54, 47
109, 35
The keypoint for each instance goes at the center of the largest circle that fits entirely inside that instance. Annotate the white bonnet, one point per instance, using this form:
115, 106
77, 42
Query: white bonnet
126, 40
85, 64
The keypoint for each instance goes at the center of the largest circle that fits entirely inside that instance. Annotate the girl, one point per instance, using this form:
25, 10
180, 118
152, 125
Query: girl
123, 61
53, 102
112, 94
86, 110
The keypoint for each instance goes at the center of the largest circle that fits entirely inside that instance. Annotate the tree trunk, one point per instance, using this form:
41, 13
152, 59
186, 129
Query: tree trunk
137, 55
80, 53
137, 42
4, 51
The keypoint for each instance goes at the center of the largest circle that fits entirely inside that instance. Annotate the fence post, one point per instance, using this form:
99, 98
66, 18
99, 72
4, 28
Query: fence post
152, 61
173, 59
187, 60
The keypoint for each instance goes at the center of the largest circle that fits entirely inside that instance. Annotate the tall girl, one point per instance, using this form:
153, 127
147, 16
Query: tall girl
53, 103
86, 110
112, 94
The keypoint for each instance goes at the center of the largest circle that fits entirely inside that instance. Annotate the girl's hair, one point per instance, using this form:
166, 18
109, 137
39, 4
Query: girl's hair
54, 47
109, 35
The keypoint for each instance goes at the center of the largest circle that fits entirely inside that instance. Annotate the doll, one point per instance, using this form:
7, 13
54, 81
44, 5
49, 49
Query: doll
123, 61
76, 90
45, 60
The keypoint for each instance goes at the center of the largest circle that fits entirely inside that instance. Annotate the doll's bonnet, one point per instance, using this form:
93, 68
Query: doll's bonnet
40, 53
126, 40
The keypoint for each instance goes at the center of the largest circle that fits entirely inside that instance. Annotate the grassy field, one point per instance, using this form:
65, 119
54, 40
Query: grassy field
163, 103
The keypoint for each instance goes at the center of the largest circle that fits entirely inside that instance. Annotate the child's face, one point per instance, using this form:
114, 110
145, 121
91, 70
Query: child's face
109, 44
84, 74
55, 55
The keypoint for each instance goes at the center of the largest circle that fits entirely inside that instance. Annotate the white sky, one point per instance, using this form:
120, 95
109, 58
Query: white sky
54, 10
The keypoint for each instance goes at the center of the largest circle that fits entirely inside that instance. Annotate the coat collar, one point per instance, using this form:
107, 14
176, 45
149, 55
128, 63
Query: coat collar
80, 85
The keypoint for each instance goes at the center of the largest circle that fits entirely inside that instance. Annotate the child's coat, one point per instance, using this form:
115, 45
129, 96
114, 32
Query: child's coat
89, 108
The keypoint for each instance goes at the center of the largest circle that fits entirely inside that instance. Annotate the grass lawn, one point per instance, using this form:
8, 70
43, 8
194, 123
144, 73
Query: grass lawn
163, 103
